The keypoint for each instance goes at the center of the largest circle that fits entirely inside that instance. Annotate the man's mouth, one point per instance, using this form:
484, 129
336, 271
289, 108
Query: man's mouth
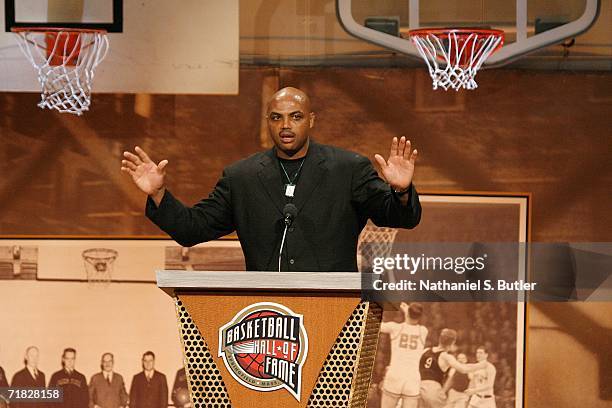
287, 136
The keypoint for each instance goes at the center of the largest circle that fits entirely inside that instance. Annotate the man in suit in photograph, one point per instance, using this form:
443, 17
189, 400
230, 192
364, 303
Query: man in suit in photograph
106, 388
73, 383
3, 383
149, 388
29, 377
180, 390
334, 193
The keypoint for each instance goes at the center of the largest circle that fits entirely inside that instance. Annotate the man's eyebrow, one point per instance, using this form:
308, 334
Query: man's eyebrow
291, 113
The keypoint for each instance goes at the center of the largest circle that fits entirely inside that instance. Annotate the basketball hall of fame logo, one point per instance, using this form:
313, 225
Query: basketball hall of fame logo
264, 347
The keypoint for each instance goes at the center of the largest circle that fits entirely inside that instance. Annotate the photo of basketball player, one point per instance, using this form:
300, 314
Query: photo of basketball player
29, 377
402, 379
482, 382
106, 388
434, 366
73, 383
456, 385
3, 383
149, 388
180, 390
18, 262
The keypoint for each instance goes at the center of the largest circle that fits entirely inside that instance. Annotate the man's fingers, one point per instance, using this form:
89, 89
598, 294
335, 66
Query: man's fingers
406, 152
401, 146
143, 156
393, 151
413, 156
380, 160
128, 164
128, 171
162, 164
132, 157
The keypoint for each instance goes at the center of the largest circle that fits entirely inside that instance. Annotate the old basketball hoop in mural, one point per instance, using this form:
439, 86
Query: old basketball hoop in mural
99, 264
264, 347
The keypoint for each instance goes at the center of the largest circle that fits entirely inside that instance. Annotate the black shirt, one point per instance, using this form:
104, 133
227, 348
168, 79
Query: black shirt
429, 368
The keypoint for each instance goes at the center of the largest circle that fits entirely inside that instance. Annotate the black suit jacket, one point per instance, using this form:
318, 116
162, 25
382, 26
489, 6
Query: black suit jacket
3, 383
23, 379
149, 394
337, 191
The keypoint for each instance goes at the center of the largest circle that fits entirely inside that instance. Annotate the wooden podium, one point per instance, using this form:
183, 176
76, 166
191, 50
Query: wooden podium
274, 339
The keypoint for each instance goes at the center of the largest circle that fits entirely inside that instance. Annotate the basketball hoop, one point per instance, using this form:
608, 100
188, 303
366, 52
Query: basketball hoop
454, 55
66, 59
374, 242
99, 264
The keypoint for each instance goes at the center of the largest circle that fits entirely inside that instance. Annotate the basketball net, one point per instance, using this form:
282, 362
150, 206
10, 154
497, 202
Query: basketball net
99, 265
65, 60
454, 56
374, 242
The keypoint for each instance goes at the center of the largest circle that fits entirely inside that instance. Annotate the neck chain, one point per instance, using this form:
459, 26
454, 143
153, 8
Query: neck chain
291, 180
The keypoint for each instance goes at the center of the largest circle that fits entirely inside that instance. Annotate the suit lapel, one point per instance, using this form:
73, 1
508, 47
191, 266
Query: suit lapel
269, 176
312, 173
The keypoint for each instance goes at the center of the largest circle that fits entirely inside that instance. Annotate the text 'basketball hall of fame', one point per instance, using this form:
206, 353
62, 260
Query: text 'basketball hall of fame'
264, 347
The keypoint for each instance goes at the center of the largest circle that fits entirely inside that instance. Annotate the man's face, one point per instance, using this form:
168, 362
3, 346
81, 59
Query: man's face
481, 355
148, 363
462, 358
289, 119
68, 360
32, 357
107, 363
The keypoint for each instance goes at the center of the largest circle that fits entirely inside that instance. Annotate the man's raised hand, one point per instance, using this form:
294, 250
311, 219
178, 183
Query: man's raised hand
399, 168
148, 176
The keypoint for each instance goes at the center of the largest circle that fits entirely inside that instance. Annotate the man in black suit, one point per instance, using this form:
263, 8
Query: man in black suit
3, 383
73, 383
149, 388
180, 390
29, 377
335, 192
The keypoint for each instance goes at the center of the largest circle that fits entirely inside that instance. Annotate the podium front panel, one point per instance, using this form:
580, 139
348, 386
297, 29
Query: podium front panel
339, 340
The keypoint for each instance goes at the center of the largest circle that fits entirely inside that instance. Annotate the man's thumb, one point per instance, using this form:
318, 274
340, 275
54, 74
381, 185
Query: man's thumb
162, 164
380, 161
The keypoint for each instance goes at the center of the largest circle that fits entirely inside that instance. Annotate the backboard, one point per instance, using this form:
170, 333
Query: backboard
155, 46
98, 14
528, 25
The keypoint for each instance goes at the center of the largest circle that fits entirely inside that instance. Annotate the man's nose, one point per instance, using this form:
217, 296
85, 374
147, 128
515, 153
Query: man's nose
286, 122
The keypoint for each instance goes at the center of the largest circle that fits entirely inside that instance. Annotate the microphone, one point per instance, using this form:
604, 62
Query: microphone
290, 211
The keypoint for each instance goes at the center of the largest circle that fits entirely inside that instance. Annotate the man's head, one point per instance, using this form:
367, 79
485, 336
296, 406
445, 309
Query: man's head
107, 362
415, 311
31, 357
148, 361
289, 119
68, 358
462, 358
481, 353
447, 338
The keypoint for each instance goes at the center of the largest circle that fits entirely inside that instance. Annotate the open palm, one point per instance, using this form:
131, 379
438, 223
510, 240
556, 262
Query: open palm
398, 170
148, 176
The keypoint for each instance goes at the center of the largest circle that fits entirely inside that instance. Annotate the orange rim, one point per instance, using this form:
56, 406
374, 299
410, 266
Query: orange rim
419, 32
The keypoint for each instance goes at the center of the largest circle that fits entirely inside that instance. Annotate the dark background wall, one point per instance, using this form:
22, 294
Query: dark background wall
543, 132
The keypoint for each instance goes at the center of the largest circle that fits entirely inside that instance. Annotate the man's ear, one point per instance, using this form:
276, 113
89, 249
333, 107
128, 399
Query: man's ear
312, 119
